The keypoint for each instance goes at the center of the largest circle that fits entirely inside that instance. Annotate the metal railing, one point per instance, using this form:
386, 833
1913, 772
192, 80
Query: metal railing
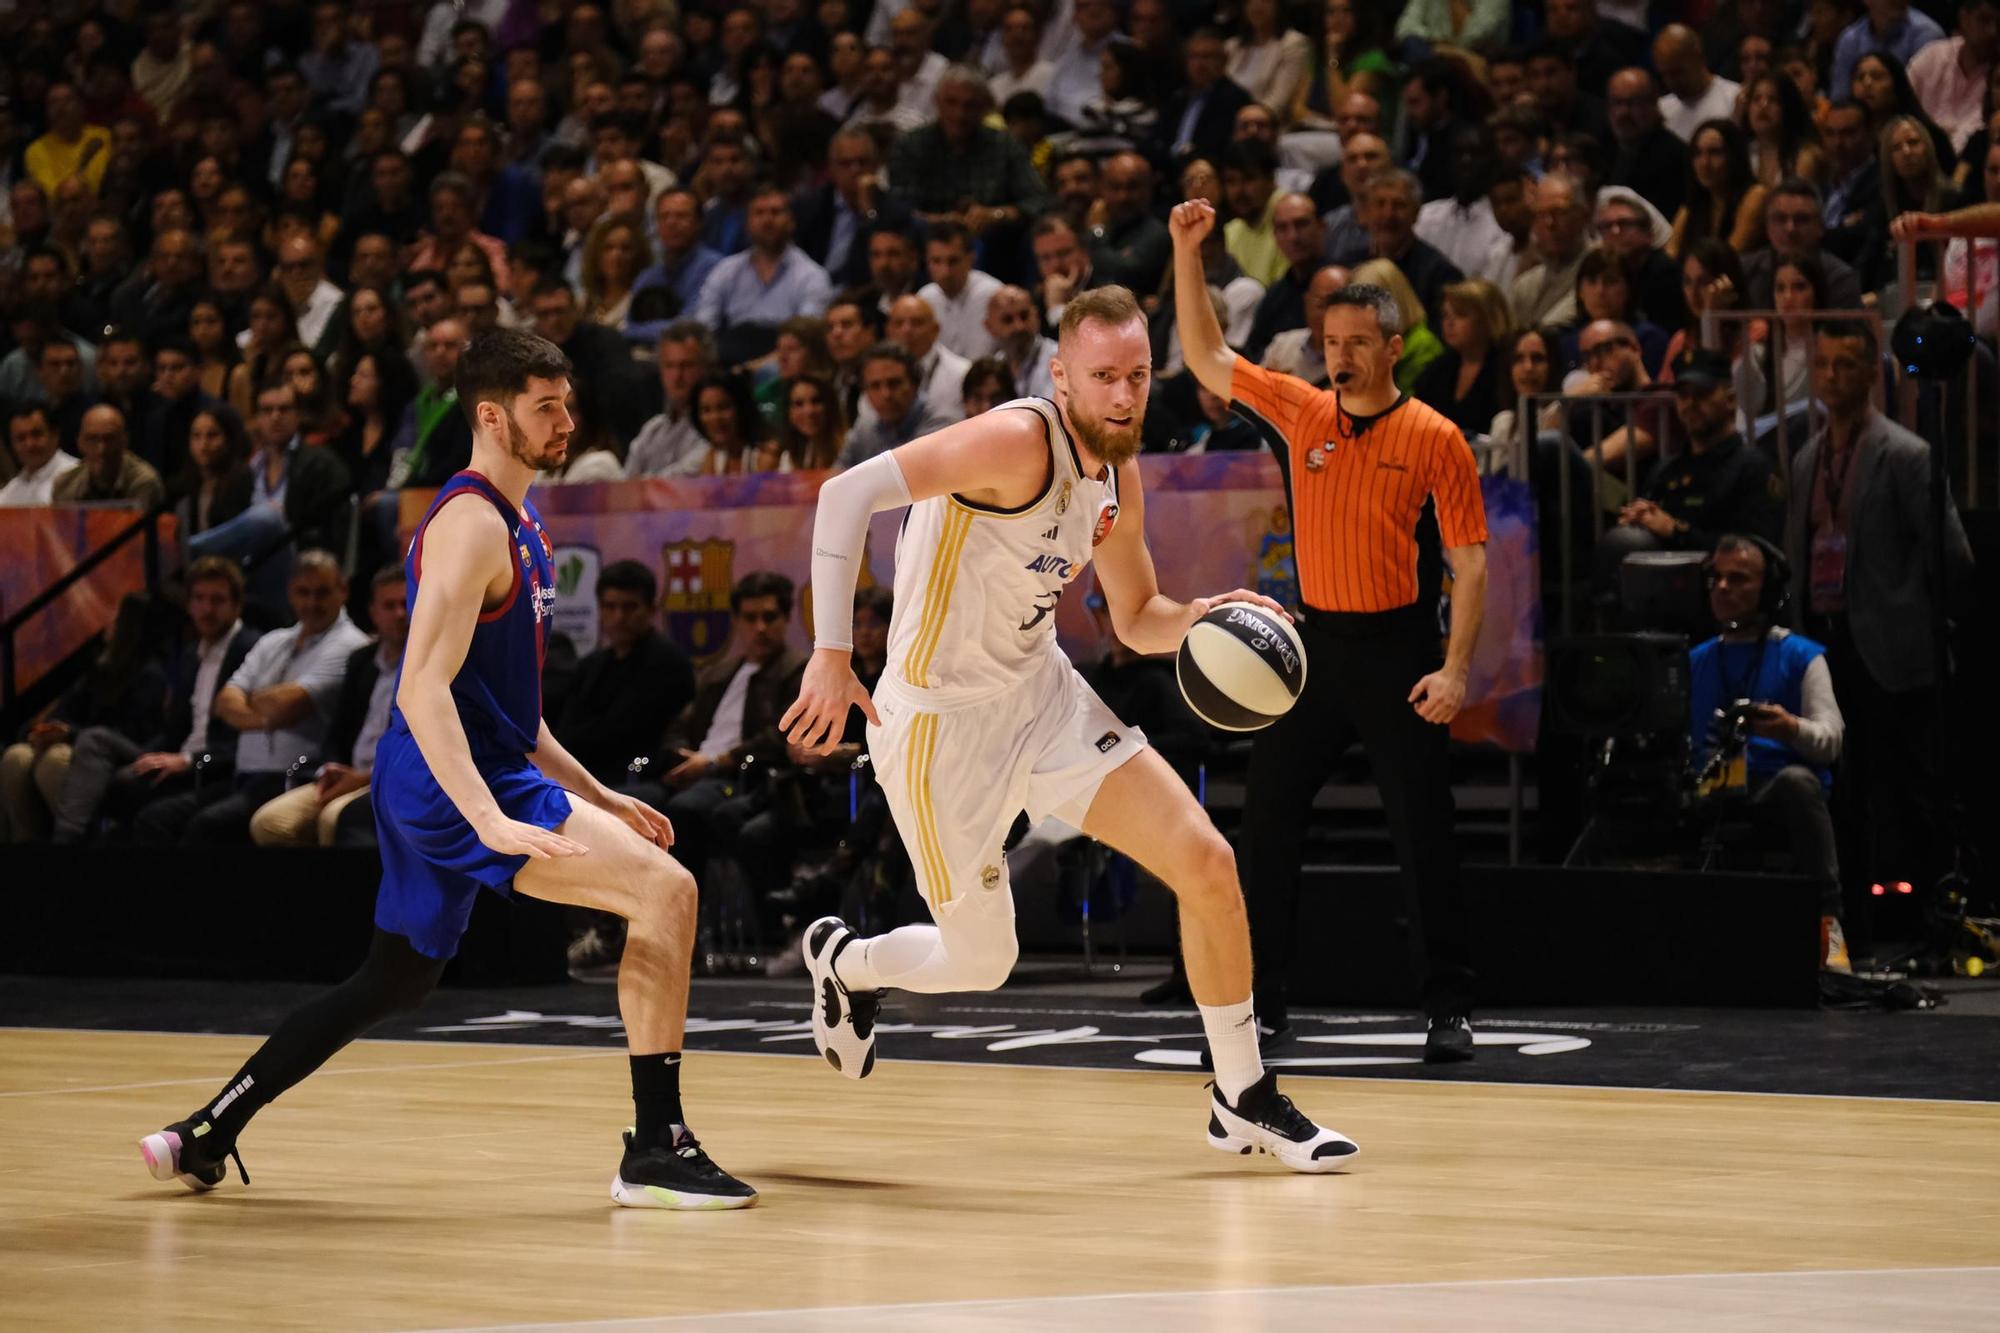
145, 527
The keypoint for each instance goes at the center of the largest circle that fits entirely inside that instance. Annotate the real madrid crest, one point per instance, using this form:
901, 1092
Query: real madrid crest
989, 878
1062, 500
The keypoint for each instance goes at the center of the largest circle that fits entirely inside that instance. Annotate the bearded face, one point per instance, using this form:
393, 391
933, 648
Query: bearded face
545, 450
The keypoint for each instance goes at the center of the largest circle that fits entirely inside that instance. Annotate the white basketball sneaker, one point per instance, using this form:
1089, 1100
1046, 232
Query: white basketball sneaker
1264, 1120
843, 1021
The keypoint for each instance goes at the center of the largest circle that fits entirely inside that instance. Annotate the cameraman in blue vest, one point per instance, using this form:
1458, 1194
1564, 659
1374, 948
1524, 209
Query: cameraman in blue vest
1761, 703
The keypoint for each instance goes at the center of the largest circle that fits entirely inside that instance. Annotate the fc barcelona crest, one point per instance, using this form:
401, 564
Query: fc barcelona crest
526, 563
697, 575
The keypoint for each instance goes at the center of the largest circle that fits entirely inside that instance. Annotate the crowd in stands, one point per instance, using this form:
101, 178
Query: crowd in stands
243, 241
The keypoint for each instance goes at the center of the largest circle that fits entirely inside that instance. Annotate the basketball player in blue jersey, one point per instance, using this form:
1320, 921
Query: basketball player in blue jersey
471, 791
979, 716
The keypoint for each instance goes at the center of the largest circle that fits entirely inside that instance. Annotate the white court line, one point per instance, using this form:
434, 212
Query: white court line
318, 1073
1151, 1072
914, 1307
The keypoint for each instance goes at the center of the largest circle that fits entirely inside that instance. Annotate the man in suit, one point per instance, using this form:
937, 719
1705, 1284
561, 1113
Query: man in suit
836, 220
1647, 156
697, 777
334, 809
1200, 119
110, 771
632, 686
1854, 212
1859, 540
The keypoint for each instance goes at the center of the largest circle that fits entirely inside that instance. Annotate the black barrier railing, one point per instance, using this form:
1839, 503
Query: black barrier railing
145, 527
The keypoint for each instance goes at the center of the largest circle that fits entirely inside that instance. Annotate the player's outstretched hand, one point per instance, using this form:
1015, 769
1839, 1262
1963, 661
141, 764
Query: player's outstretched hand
641, 818
1191, 222
1201, 606
817, 717
510, 837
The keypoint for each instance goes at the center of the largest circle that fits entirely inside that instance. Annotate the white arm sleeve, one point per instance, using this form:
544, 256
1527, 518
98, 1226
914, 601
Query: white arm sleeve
1821, 728
840, 529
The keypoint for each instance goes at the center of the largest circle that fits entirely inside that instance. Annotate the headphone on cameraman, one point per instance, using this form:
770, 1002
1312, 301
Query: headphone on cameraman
1777, 591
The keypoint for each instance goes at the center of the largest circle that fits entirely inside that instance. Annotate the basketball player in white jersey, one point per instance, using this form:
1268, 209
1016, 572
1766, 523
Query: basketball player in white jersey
980, 716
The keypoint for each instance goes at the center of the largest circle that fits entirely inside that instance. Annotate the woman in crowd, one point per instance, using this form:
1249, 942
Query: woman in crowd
321, 419
1912, 182
1604, 290
1531, 369
1881, 84
988, 383
1354, 58
1464, 383
812, 431
1778, 362
273, 331
1711, 279
1122, 115
1778, 124
467, 265
1722, 200
374, 325
301, 189
613, 258
209, 331
1269, 60
216, 485
376, 389
726, 417
1420, 344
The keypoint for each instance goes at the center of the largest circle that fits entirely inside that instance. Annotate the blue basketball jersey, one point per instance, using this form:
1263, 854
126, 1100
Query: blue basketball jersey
498, 689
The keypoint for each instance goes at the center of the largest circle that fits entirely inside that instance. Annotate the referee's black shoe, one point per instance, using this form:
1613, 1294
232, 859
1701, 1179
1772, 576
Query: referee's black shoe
1449, 1040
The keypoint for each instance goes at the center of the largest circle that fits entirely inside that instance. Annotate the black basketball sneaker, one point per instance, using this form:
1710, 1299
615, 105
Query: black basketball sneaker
679, 1175
1264, 1120
186, 1151
843, 1021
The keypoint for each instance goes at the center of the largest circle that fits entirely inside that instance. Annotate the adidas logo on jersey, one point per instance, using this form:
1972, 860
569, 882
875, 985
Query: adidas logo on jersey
1052, 534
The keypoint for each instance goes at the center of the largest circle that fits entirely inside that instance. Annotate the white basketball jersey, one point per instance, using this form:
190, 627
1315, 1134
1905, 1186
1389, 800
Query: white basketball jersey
977, 587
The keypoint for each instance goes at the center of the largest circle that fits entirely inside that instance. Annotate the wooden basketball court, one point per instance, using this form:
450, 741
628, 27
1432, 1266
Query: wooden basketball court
428, 1185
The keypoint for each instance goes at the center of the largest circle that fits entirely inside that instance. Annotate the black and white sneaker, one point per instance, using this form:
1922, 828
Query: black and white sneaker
1264, 1120
843, 1021
185, 1151
681, 1176
1448, 1040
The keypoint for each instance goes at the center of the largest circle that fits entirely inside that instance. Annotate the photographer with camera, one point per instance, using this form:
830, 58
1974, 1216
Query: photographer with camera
1762, 718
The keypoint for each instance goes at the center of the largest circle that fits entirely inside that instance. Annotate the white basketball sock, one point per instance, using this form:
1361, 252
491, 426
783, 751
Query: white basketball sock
1232, 1044
885, 960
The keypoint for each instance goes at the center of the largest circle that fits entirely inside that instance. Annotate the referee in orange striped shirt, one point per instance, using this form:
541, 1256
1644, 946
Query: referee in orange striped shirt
1376, 483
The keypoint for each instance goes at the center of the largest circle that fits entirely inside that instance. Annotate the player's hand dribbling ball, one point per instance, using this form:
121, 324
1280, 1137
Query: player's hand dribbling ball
1241, 666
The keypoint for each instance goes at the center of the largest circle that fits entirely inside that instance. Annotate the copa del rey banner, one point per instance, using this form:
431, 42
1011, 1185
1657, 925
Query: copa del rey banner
1214, 522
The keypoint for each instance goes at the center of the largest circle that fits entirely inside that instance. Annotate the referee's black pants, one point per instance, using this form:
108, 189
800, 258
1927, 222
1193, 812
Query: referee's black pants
1360, 670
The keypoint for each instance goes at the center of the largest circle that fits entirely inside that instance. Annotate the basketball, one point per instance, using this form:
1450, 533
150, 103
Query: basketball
1241, 667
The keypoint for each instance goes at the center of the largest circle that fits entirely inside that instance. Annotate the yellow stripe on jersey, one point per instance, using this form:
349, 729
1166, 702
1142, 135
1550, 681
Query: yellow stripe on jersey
930, 811
937, 596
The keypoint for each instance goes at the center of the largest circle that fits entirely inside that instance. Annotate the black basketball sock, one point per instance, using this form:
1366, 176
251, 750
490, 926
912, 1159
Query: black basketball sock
392, 978
656, 1096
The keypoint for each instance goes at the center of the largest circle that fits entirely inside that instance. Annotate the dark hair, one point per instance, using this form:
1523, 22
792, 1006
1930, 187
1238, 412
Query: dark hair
990, 372
888, 351
120, 333
762, 583
1851, 328
562, 156
1795, 127
808, 454
1251, 156
1551, 344
392, 367
235, 441
951, 233
179, 343
1798, 187
21, 411
496, 366
629, 576
1367, 296
385, 576
749, 421
417, 277
879, 598
218, 569
1597, 263
864, 301
1708, 215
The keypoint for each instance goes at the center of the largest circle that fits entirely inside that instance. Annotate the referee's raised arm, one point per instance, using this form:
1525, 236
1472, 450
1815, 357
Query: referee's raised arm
1202, 344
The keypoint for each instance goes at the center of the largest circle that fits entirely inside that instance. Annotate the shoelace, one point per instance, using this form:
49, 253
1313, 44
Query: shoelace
689, 1150
239, 1163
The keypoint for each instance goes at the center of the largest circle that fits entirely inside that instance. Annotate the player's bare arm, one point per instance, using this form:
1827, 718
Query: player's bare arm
999, 459
1206, 350
1144, 618
1440, 695
465, 568
562, 766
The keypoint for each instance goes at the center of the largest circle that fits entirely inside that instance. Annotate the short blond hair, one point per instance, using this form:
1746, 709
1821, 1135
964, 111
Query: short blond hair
1112, 305
1481, 300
